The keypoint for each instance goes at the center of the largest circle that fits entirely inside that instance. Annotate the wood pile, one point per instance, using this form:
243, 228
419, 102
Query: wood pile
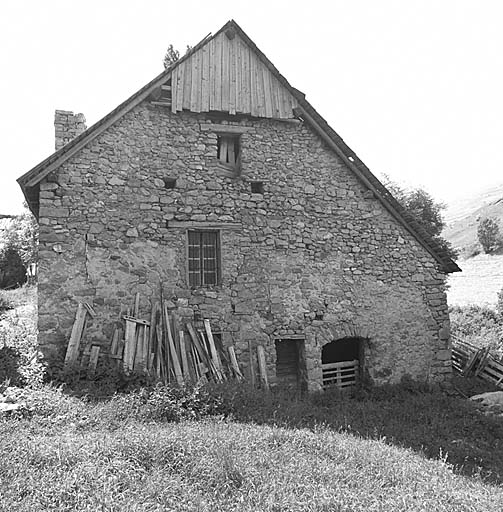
163, 348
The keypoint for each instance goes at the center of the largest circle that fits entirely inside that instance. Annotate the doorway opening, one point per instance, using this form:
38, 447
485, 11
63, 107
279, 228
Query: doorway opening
341, 362
290, 363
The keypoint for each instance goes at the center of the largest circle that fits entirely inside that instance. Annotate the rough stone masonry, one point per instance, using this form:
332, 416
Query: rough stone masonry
313, 255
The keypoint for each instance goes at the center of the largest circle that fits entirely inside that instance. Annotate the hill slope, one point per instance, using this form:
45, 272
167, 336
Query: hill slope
479, 282
462, 218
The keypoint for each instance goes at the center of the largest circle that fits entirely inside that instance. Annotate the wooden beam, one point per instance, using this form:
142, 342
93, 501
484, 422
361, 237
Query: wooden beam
202, 225
72, 351
262, 366
225, 128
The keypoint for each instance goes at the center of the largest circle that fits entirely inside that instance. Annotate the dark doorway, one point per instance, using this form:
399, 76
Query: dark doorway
289, 362
341, 362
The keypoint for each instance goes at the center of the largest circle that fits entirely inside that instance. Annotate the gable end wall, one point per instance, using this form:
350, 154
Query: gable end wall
315, 255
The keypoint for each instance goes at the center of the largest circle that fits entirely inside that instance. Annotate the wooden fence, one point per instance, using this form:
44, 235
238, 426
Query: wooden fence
340, 375
468, 359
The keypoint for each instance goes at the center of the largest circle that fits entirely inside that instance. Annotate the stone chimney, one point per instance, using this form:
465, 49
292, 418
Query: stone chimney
67, 126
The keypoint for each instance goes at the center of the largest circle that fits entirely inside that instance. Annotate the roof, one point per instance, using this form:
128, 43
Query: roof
30, 181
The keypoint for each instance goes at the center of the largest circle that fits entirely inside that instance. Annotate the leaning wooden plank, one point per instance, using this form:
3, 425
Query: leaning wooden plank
72, 352
115, 342
89, 309
136, 309
203, 355
471, 363
140, 361
183, 353
159, 355
262, 366
251, 361
172, 350
200, 368
129, 345
93, 360
214, 354
195, 362
482, 362
234, 363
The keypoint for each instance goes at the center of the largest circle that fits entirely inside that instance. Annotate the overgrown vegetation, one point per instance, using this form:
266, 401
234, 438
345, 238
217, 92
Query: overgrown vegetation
479, 325
18, 250
19, 362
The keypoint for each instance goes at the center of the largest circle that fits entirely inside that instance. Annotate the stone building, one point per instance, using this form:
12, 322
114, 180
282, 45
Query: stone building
219, 183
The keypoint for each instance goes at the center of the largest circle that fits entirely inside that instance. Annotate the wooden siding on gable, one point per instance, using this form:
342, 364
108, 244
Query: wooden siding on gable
226, 75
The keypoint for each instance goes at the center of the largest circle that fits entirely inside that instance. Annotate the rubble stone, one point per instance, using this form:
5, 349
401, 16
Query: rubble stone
316, 254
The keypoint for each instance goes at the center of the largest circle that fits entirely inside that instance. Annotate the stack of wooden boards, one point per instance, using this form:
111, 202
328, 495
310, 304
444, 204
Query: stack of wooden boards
162, 348
468, 359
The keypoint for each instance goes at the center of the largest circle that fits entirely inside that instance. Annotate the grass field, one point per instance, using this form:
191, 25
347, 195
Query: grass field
389, 450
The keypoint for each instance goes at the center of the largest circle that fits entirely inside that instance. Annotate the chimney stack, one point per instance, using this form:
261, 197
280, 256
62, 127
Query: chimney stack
67, 126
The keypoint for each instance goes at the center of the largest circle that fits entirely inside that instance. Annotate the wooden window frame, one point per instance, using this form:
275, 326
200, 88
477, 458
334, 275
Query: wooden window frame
228, 141
202, 268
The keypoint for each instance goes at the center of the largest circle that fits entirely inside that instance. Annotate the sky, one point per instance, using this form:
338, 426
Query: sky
414, 87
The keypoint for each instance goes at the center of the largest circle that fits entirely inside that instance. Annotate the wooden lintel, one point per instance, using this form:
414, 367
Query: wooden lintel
203, 225
161, 103
290, 337
225, 128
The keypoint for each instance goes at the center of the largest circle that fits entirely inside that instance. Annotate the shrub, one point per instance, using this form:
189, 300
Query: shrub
499, 303
18, 341
488, 233
12, 270
479, 325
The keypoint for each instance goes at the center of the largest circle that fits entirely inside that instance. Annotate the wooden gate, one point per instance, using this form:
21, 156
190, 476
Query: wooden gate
343, 374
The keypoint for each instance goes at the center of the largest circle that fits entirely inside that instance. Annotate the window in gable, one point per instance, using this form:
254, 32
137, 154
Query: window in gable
228, 149
204, 258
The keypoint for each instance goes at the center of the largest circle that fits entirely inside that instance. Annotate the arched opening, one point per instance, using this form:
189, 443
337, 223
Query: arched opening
341, 362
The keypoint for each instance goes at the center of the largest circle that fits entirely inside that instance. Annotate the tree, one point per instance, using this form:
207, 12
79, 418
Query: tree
488, 233
425, 209
171, 56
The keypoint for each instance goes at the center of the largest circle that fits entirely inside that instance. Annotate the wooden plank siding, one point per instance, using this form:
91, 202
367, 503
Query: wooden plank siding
225, 75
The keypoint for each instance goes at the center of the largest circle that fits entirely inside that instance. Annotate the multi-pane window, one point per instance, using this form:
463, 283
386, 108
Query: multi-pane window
228, 149
203, 258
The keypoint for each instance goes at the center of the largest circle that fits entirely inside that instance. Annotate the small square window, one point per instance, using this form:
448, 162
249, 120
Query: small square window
204, 258
228, 149
169, 182
257, 187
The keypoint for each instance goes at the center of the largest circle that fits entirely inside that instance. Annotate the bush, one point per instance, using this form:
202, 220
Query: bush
479, 325
499, 303
488, 233
12, 270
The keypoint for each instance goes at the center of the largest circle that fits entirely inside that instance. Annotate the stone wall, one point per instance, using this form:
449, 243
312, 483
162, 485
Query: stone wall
315, 255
